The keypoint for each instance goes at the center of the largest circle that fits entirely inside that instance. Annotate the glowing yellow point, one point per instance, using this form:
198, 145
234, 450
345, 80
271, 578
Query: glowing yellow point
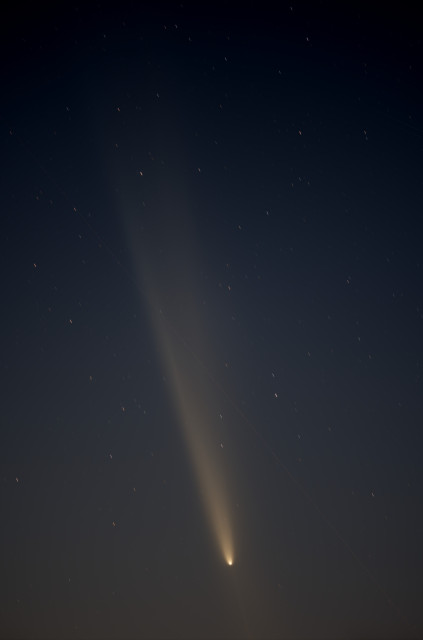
229, 561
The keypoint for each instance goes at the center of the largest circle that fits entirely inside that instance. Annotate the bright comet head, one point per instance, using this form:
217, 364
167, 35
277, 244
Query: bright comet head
229, 561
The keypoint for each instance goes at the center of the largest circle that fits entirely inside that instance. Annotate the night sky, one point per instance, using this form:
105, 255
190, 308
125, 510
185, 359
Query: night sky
212, 314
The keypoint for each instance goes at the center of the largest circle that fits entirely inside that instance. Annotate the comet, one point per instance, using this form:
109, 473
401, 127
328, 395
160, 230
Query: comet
171, 295
191, 395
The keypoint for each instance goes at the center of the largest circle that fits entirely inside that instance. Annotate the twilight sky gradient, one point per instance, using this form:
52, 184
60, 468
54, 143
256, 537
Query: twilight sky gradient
212, 321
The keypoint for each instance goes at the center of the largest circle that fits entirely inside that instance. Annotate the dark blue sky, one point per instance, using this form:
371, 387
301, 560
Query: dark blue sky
211, 239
